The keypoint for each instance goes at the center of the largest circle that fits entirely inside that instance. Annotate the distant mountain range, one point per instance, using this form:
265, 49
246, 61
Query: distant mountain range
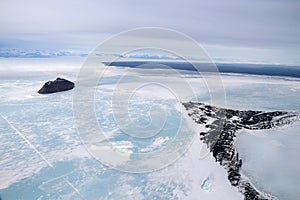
17, 53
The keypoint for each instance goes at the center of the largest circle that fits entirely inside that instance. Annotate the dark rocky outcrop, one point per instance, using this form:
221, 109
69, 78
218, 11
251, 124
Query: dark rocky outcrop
221, 127
57, 85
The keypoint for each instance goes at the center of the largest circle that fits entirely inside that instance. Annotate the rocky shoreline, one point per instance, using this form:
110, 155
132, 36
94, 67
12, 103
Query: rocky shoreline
221, 130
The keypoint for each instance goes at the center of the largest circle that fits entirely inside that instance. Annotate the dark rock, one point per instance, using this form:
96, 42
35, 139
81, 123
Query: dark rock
58, 85
221, 133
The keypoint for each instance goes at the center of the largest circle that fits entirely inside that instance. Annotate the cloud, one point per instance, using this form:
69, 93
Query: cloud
255, 20
249, 23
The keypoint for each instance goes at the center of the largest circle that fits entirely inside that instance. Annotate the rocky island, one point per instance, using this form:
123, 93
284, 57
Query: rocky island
58, 85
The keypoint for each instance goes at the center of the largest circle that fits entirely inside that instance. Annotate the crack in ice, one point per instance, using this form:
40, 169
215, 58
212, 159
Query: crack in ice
38, 153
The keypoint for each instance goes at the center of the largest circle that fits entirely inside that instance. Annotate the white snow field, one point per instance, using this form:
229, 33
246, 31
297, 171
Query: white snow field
42, 156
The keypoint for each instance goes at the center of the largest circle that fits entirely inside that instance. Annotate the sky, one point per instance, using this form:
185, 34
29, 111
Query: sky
245, 30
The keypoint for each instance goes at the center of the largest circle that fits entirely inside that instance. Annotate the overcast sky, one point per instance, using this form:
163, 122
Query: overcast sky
263, 30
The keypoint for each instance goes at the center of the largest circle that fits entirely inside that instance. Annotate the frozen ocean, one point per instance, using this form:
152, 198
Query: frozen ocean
42, 156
